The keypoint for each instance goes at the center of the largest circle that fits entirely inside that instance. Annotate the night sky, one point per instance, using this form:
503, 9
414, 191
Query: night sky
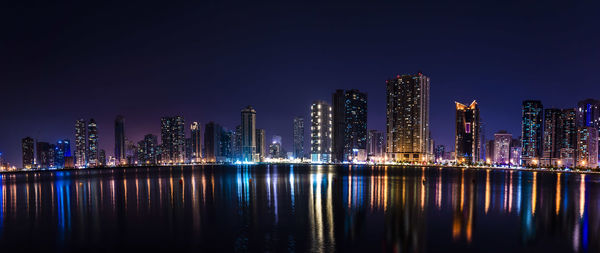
206, 61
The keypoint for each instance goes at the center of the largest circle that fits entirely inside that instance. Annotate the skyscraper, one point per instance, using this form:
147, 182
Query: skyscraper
196, 142
408, 118
502, 141
148, 150
375, 145
299, 137
587, 147
120, 140
321, 131
261, 145
338, 107
531, 132
43, 155
92, 150
588, 113
101, 157
551, 143
27, 149
568, 138
172, 136
468, 142
80, 144
248, 134
355, 126
212, 141
62, 151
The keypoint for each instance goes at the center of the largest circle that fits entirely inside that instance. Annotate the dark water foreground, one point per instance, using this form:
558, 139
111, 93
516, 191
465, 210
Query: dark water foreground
300, 208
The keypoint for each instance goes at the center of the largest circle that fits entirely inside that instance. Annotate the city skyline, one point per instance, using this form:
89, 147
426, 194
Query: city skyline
516, 66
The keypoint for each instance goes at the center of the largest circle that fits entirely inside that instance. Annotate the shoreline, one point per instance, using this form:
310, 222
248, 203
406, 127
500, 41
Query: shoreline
547, 170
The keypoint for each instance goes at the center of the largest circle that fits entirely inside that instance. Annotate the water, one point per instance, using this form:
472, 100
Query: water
300, 208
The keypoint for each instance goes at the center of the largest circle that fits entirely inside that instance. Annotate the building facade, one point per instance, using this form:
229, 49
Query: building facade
261, 146
172, 135
355, 126
467, 140
27, 150
92, 141
148, 150
196, 143
248, 135
80, 143
299, 137
587, 147
551, 139
375, 145
407, 125
321, 132
531, 132
120, 140
502, 141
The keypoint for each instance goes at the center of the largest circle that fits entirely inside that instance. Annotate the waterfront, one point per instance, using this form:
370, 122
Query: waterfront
300, 208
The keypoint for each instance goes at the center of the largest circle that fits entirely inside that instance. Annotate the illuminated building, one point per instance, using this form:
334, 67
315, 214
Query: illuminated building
92, 144
502, 141
120, 140
568, 126
489, 151
43, 155
439, 152
130, 152
531, 132
375, 144
148, 150
248, 135
260, 144
587, 147
299, 137
62, 151
355, 126
172, 137
551, 144
196, 142
407, 127
80, 143
468, 143
588, 113
276, 148
225, 147
101, 157
28, 152
320, 131
51, 156
515, 152
236, 143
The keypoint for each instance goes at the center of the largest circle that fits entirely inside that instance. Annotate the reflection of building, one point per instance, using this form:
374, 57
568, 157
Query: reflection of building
587, 147
299, 137
27, 151
468, 143
502, 141
248, 135
408, 118
531, 132
320, 131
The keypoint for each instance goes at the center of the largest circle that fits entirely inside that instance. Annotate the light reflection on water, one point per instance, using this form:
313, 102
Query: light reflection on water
300, 208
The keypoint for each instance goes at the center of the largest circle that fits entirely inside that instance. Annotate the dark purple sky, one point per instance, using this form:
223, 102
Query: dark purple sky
208, 60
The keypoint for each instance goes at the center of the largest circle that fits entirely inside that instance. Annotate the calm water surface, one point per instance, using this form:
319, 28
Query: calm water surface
300, 208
